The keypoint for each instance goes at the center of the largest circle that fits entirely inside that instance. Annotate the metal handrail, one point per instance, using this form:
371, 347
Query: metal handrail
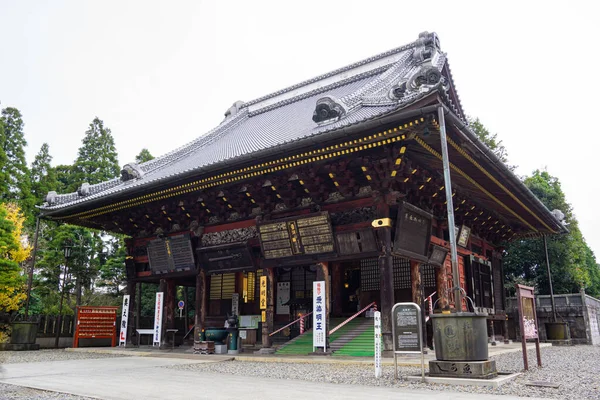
290, 324
352, 317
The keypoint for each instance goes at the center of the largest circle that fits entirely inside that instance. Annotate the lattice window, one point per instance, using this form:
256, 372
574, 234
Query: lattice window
369, 274
402, 273
250, 285
222, 286
428, 276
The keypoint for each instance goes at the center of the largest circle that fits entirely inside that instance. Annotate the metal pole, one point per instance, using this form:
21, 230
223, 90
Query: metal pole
550, 280
450, 208
60, 307
30, 277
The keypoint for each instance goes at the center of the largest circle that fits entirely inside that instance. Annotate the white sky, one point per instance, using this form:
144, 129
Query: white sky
162, 73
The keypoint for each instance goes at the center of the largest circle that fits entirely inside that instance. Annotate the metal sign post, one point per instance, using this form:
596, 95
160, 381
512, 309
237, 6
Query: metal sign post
407, 333
377, 321
180, 305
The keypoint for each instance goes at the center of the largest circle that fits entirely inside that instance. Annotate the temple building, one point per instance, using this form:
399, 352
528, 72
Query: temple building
338, 178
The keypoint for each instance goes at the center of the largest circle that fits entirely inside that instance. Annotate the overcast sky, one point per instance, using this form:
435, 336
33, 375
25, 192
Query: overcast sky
162, 73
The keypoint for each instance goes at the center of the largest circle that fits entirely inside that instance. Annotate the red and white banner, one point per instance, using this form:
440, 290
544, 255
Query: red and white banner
158, 312
319, 315
124, 320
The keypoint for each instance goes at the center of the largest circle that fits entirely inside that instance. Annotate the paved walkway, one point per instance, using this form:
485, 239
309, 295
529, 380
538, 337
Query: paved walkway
144, 378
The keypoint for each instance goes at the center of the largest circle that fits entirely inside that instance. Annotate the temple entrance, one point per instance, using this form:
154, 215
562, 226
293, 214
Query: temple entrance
351, 290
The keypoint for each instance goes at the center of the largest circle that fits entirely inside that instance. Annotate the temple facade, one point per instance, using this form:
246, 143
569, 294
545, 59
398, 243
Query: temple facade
338, 178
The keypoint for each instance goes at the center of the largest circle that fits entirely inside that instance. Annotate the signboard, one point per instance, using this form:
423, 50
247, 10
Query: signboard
226, 258
462, 238
263, 293
297, 236
235, 304
283, 296
413, 232
124, 320
180, 304
377, 322
528, 321
407, 332
319, 315
362, 241
158, 314
171, 254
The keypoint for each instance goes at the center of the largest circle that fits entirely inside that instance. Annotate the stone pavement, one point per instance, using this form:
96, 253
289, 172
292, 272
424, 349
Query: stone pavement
146, 378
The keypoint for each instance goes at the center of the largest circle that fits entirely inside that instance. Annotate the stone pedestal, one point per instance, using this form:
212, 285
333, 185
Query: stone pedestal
19, 346
265, 350
463, 369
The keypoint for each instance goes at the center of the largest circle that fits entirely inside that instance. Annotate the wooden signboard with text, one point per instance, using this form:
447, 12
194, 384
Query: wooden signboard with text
297, 236
413, 232
528, 321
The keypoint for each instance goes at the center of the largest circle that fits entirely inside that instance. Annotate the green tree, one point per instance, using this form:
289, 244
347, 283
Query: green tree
143, 156
4, 188
490, 140
15, 170
65, 178
97, 159
43, 175
572, 262
112, 266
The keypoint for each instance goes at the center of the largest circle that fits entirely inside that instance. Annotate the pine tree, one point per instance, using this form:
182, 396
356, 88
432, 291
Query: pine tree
143, 156
15, 170
97, 159
3, 160
43, 176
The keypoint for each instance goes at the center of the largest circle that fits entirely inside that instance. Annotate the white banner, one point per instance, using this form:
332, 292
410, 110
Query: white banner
158, 312
283, 296
124, 320
377, 321
319, 315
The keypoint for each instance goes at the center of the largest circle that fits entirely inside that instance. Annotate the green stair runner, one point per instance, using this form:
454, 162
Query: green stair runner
303, 345
361, 346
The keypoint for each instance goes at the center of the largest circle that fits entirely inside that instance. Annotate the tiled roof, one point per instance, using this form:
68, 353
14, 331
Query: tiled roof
359, 92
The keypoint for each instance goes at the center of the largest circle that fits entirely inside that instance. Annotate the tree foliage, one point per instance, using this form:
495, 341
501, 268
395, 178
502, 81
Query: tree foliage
490, 140
143, 156
14, 170
572, 262
12, 252
43, 176
97, 159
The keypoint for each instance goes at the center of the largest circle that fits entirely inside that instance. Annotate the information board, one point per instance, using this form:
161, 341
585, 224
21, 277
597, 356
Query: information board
407, 332
413, 232
289, 237
528, 321
171, 254
319, 315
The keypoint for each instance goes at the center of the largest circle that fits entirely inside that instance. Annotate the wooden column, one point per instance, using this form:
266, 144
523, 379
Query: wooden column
200, 312
415, 278
170, 303
386, 283
267, 327
130, 314
337, 286
138, 308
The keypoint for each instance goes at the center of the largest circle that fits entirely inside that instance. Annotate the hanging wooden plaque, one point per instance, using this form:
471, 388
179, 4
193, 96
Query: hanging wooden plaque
413, 232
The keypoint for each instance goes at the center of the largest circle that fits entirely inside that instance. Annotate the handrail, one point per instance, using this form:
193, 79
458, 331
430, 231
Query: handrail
352, 317
291, 323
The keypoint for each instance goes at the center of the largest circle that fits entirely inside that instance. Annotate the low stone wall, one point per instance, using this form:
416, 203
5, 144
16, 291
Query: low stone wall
580, 311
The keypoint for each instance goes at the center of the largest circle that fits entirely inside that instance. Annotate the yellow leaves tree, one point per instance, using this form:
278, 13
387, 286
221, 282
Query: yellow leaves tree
13, 250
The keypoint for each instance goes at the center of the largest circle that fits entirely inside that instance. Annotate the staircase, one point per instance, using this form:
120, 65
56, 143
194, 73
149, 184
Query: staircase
302, 345
362, 345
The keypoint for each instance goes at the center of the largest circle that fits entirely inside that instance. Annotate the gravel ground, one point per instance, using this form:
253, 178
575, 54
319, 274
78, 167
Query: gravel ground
576, 369
14, 357
11, 392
